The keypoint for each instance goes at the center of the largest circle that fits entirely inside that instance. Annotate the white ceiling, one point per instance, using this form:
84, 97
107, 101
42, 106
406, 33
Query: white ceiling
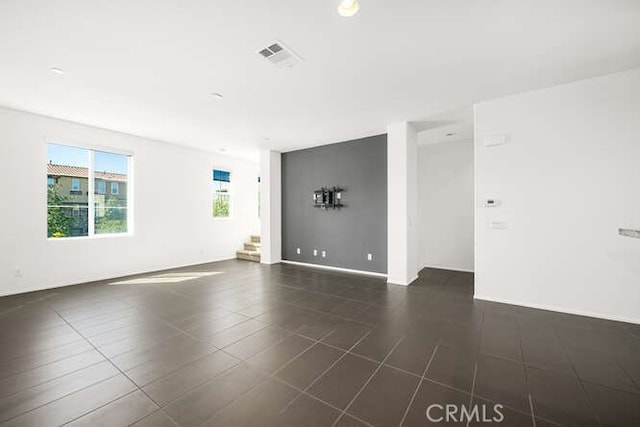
450, 126
146, 67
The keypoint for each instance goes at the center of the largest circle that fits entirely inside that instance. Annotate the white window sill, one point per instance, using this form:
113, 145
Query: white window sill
95, 236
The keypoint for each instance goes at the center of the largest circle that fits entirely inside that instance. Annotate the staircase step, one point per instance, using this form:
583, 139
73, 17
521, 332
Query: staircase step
255, 239
250, 246
248, 255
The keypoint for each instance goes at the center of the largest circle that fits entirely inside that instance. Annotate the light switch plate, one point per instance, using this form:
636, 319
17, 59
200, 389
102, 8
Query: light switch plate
494, 140
498, 225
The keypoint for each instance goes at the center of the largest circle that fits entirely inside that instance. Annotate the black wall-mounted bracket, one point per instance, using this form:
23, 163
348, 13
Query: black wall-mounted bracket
328, 197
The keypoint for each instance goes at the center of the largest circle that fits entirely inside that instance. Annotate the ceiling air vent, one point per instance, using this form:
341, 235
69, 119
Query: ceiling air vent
280, 55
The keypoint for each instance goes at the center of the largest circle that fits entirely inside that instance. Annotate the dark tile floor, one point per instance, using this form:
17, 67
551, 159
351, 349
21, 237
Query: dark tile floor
240, 344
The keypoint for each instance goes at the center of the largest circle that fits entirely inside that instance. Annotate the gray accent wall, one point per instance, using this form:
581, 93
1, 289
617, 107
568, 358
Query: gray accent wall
347, 234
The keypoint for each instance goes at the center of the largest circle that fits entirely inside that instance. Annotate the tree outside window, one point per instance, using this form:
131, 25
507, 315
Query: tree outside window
221, 194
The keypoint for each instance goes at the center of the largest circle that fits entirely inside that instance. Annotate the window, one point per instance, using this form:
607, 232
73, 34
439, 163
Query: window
68, 213
221, 193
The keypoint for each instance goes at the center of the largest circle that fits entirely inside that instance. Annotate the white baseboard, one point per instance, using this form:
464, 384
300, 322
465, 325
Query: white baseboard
328, 267
560, 309
442, 267
403, 284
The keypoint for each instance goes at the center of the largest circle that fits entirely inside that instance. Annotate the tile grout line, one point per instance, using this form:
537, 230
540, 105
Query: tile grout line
473, 388
526, 370
368, 381
42, 351
301, 353
370, 304
48, 363
272, 375
121, 372
170, 325
345, 353
533, 418
475, 367
575, 373
59, 398
415, 393
107, 404
199, 386
307, 394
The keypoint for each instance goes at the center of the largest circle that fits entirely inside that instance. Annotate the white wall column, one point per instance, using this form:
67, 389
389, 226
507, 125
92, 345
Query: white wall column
402, 203
270, 207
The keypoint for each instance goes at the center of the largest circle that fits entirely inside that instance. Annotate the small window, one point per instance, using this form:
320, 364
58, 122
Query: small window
51, 181
114, 188
221, 193
75, 184
101, 187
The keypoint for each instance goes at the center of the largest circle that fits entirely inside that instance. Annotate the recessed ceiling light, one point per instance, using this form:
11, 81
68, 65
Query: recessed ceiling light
57, 71
348, 8
216, 95
266, 139
224, 150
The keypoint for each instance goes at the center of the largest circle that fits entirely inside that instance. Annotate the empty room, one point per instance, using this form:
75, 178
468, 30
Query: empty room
340, 213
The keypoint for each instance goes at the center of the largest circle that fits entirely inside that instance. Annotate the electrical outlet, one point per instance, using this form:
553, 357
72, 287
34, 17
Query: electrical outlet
324, 254
315, 252
369, 257
298, 251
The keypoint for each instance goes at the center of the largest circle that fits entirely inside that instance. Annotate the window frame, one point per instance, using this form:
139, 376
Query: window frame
117, 187
91, 149
229, 193
105, 187
75, 180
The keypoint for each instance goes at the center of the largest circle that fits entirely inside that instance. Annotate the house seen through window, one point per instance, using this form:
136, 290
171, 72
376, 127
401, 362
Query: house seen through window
72, 190
221, 193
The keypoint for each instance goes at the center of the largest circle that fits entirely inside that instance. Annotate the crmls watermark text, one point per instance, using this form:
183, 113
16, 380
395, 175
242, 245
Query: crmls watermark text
451, 413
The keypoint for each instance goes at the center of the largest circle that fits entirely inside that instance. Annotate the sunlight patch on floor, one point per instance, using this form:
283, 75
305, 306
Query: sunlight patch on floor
167, 278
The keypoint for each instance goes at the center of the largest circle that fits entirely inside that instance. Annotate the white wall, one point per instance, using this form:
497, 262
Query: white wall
445, 205
402, 203
568, 178
172, 225
271, 206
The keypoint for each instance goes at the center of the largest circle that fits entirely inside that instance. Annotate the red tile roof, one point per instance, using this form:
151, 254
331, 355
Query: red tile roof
79, 172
